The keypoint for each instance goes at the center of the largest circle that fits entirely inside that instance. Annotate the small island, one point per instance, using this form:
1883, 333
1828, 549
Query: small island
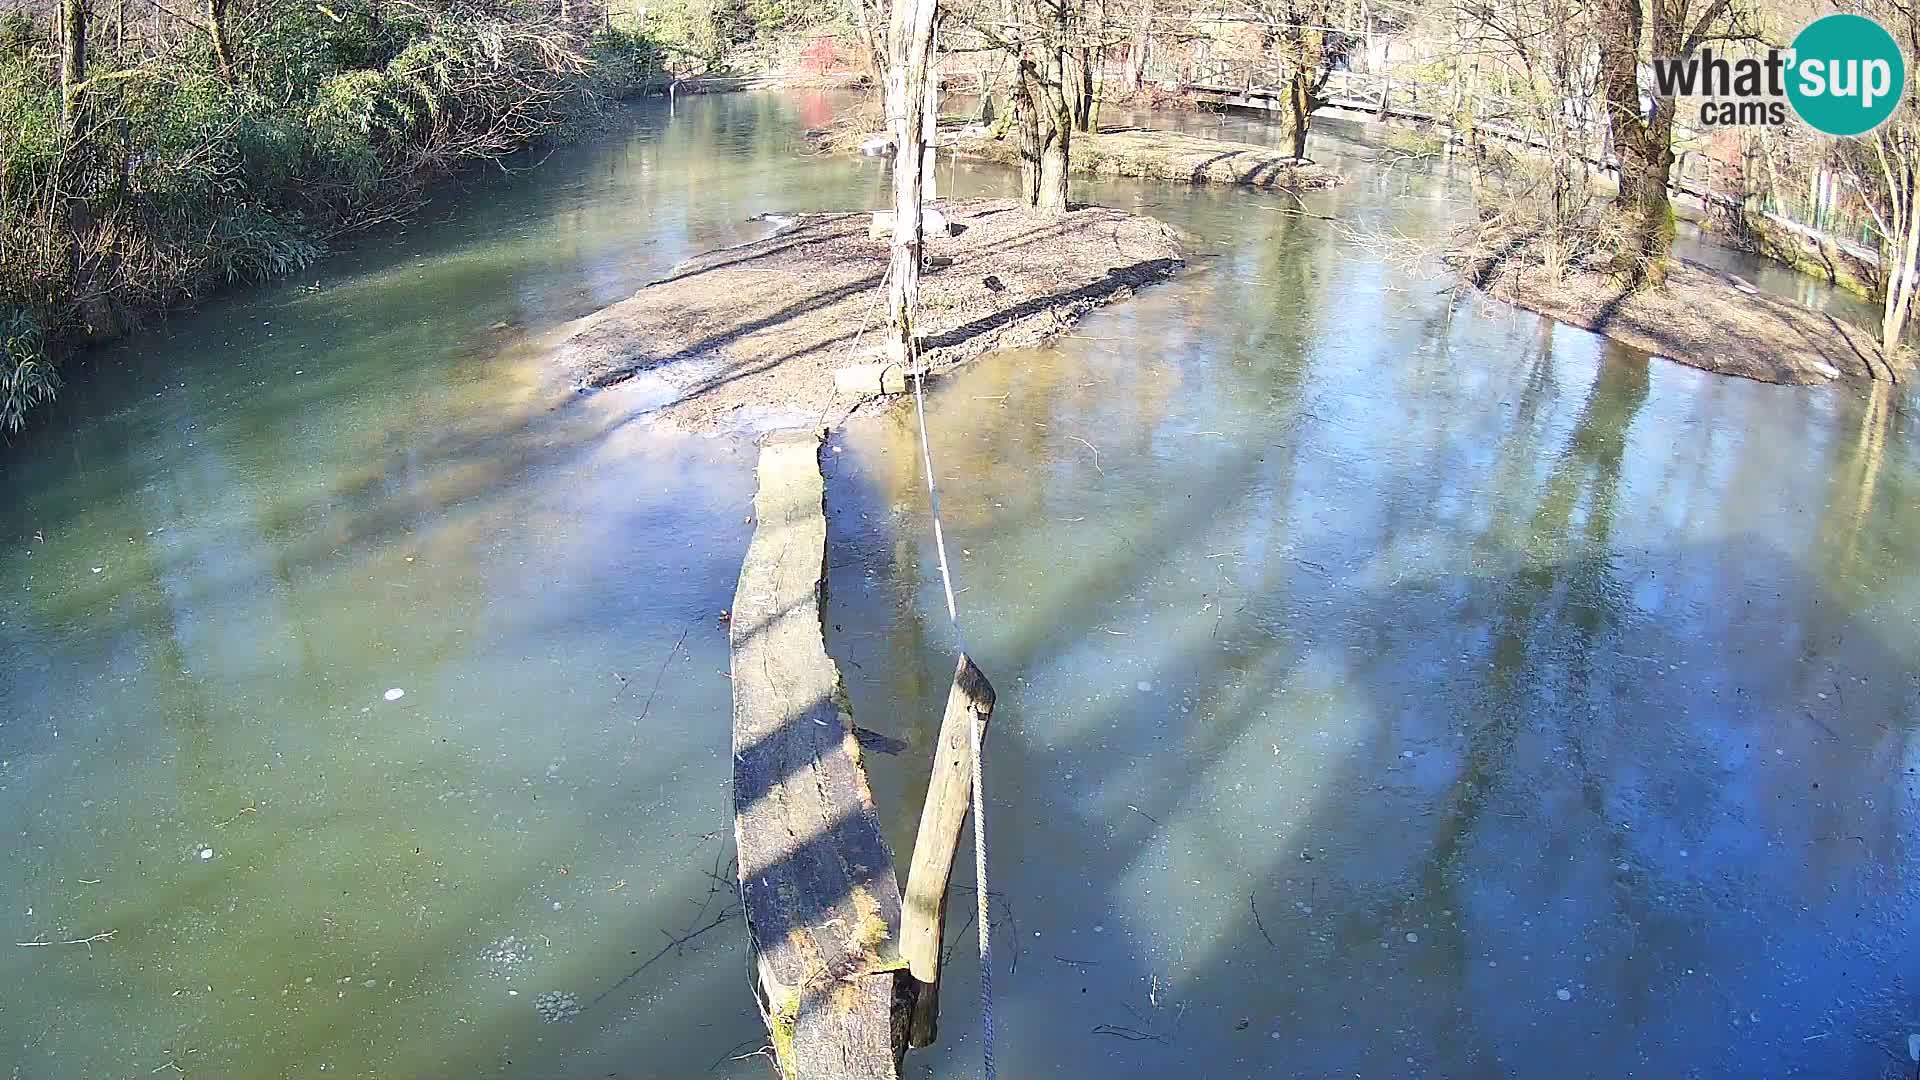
750, 337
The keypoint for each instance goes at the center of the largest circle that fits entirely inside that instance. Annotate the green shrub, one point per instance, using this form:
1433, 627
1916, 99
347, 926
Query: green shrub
26, 378
625, 62
338, 111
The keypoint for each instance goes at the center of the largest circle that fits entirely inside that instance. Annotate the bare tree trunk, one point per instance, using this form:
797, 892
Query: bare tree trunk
1644, 148
1026, 118
910, 58
1042, 110
73, 60
1056, 119
1083, 91
1140, 50
870, 58
217, 30
1901, 258
1299, 112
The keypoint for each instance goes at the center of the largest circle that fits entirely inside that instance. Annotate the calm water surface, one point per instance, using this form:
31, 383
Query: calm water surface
1390, 685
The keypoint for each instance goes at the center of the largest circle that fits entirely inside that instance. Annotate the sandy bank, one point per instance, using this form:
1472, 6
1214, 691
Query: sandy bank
1170, 155
749, 337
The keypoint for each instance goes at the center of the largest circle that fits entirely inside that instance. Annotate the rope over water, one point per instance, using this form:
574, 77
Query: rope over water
982, 927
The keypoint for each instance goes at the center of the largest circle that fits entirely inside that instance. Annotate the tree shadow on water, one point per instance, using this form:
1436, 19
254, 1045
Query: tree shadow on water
1577, 803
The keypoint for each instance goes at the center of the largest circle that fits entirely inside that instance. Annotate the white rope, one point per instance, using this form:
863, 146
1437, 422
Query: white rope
933, 501
980, 900
982, 926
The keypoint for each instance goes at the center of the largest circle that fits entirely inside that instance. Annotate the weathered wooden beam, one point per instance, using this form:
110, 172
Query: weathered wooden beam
949, 800
816, 875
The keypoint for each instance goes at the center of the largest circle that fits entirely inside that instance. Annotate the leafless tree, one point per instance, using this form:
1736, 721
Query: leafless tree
1885, 169
1643, 142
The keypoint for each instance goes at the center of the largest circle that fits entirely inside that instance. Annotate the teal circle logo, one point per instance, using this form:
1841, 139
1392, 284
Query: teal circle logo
1847, 75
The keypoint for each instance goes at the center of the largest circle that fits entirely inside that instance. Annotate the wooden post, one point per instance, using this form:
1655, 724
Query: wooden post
949, 800
910, 58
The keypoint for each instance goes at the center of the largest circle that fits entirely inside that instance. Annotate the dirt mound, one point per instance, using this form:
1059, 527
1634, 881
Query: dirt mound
1170, 155
1700, 317
749, 337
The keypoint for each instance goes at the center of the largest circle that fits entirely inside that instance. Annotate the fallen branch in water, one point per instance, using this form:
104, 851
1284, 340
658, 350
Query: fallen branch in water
104, 935
726, 915
1129, 1034
651, 694
679, 942
1003, 908
1257, 924
765, 1051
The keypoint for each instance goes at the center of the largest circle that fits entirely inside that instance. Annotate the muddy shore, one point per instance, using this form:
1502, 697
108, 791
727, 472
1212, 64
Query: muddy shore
749, 337
1170, 155
1701, 317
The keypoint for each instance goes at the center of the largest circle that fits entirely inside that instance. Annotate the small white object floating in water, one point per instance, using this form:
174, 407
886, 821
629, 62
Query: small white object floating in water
206, 853
876, 145
395, 694
778, 221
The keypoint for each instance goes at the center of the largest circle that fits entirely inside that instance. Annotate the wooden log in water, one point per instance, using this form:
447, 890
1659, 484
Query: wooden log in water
816, 875
949, 799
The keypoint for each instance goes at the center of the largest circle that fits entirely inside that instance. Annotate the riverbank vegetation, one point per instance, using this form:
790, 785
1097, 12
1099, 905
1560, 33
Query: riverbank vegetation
1580, 167
153, 150
1581, 170
1578, 173
151, 154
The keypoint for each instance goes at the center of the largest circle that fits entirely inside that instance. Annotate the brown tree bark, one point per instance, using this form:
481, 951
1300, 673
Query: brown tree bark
1643, 146
1042, 111
1083, 89
1056, 128
1298, 116
1304, 53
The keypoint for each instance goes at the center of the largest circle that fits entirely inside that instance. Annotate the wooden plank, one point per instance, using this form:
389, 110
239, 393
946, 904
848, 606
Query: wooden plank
816, 875
949, 800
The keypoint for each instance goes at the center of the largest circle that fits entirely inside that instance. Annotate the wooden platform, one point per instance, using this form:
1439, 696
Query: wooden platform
816, 875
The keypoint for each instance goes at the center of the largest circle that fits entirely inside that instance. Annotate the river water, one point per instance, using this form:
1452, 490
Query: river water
1390, 685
